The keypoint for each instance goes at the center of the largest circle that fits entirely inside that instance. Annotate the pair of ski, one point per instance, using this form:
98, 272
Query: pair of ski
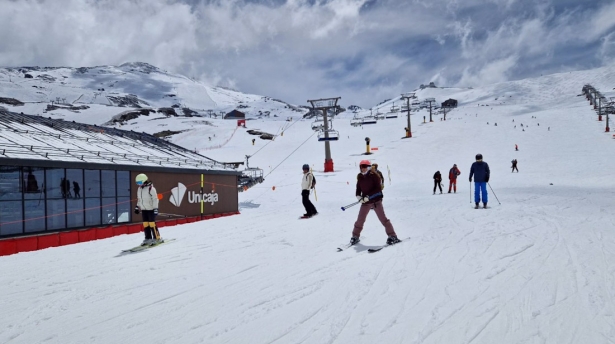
146, 247
373, 249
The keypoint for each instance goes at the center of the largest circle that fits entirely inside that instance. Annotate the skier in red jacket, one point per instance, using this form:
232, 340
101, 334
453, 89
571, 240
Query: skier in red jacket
452, 177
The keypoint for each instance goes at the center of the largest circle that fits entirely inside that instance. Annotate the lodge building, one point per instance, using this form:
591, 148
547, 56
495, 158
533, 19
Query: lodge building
58, 177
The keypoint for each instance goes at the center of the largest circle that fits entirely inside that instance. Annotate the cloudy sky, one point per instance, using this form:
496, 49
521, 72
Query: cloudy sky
364, 51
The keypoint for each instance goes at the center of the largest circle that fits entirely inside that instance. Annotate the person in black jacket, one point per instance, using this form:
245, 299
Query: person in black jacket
480, 171
514, 165
437, 181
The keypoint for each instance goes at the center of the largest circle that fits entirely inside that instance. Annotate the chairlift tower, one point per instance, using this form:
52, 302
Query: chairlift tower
325, 104
609, 110
430, 100
407, 97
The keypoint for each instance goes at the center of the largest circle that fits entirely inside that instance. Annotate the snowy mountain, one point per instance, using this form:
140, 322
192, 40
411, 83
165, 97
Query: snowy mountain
97, 94
537, 266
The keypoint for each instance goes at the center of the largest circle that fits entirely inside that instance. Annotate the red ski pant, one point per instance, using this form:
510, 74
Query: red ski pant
452, 184
379, 210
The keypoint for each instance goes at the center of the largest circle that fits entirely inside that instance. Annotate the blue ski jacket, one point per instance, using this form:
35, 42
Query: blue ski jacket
480, 171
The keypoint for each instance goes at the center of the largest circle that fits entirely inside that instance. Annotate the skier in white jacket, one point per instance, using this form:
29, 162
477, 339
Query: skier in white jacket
147, 205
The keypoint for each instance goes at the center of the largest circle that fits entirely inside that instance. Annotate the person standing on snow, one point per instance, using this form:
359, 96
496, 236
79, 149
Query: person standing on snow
452, 177
437, 182
514, 166
480, 171
147, 205
306, 185
369, 194
377, 171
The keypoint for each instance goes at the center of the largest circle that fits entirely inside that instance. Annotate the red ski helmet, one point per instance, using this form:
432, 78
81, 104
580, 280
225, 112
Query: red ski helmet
365, 162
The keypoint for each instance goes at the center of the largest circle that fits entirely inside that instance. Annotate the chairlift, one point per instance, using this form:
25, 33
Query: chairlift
318, 124
328, 135
356, 121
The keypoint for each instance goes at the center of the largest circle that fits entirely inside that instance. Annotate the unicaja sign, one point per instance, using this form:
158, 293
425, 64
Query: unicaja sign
177, 195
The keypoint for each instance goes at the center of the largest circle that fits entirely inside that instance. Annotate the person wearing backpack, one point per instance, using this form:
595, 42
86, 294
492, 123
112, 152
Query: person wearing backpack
369, 195
452, 177
437, 182
377, 171
307, 183
147, 205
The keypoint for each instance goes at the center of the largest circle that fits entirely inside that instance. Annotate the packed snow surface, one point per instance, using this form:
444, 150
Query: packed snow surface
538, 266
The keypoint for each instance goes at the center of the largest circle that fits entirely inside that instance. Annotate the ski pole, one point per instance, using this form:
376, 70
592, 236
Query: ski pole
496, 197
470, 191
357, 202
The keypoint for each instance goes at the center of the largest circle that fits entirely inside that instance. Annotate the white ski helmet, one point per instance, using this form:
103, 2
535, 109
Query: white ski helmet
141, 178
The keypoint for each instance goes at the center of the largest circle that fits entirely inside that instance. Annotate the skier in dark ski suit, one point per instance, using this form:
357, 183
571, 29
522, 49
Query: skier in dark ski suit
437, 182
480, 171
514, 165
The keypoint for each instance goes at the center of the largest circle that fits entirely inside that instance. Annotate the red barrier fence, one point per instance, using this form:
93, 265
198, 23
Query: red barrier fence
43, 241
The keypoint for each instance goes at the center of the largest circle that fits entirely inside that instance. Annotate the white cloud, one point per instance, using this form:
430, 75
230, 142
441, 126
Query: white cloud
298, 49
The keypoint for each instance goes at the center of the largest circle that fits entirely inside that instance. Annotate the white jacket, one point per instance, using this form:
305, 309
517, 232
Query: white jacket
306, 181
147, 197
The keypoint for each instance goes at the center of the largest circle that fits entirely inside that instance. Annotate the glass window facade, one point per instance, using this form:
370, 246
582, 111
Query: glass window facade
36, 200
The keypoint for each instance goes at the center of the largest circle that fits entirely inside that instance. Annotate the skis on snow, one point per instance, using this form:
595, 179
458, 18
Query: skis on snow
371, 250
146, 247
376, 249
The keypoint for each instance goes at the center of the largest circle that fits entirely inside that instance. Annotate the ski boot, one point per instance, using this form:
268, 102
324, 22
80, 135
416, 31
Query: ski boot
354, 240
392, 240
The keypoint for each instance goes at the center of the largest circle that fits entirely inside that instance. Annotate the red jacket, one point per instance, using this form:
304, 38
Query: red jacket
453, 173
368, 185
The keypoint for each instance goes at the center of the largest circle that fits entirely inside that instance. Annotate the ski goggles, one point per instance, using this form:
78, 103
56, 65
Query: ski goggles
365, 166
139, 183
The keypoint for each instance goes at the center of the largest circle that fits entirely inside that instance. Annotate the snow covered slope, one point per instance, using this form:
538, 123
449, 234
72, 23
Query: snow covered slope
95, 94
537, 267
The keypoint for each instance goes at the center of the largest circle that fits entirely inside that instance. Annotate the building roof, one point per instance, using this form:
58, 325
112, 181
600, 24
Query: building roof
44, 139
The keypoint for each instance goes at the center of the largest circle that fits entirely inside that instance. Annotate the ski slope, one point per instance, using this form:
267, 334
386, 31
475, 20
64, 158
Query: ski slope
538, 266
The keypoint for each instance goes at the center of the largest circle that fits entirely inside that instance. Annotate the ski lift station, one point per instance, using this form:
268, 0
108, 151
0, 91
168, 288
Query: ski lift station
65, 182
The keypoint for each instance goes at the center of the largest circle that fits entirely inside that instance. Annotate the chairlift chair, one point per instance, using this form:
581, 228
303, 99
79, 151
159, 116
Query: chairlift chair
328, 135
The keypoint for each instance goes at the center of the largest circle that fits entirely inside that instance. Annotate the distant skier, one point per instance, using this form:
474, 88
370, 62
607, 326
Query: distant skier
369, 194
516, 147
514, 165
307, 184
147, 205
480, 171
437, 182
375, 169
452, 177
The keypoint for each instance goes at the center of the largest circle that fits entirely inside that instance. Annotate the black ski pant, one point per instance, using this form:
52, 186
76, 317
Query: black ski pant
435, 185
515, 168
309, 207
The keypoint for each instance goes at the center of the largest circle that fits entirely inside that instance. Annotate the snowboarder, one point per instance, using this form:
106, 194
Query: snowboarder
480, 171
369, 194
437, 181
452, 177
514, 165
377, 171
147, 205
307, 183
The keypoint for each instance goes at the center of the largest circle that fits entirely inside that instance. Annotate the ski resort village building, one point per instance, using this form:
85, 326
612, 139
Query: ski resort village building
65, 182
